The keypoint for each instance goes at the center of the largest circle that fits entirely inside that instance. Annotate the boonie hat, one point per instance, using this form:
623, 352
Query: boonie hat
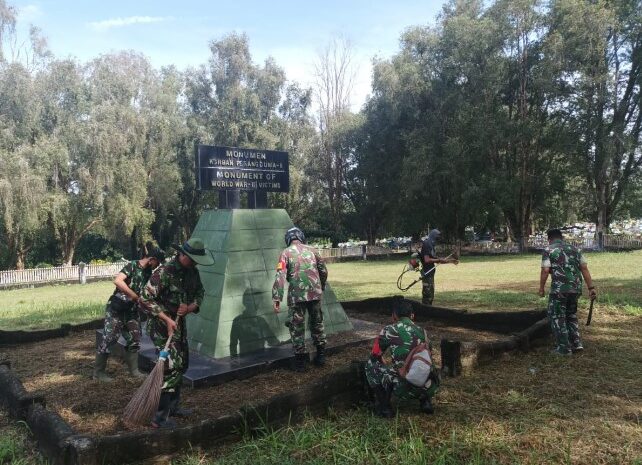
195, 249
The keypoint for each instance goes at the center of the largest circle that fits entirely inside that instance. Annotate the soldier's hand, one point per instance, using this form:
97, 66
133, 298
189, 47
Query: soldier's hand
541, 292
182, 310
593, 294
171, 327
277, 306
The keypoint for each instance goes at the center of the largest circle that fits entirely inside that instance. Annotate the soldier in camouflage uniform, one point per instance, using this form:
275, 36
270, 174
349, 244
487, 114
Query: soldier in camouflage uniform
428, 260
566, 265
173, 291
400, 337
306, 273
121, 312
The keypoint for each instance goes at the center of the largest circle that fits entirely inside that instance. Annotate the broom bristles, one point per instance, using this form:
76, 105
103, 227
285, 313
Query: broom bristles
145, 401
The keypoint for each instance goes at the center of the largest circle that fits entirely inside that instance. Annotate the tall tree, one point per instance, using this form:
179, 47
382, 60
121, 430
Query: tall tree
334, 72
600, 45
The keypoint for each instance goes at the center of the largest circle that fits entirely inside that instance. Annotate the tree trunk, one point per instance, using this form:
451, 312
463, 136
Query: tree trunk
20, 259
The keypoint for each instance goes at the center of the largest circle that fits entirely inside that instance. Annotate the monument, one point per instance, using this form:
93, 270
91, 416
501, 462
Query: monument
236, 317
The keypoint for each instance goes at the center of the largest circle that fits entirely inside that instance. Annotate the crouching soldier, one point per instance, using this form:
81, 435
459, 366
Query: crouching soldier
402, 337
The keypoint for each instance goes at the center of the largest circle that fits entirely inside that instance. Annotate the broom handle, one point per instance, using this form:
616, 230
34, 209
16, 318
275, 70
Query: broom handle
169, 339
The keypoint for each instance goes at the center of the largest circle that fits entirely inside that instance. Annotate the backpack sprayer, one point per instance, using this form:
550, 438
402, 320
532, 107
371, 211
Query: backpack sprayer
414, 265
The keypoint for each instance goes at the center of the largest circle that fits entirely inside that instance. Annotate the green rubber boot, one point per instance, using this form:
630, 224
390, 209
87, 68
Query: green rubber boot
131, 359
99, 368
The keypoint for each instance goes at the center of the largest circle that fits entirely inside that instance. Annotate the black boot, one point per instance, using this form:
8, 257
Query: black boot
382, 406
425, 403
161, 419
174, 409
319, 359
300, 362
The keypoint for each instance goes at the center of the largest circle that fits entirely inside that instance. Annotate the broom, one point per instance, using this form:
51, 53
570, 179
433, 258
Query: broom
145, 401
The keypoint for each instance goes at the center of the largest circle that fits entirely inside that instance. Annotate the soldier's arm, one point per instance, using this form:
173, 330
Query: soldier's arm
545, 271
588, 279
121, 277
280, 278
380, 345
195, 304
149, 298
323, 270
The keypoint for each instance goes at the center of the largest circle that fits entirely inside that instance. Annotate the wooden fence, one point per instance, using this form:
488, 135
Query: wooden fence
79, 273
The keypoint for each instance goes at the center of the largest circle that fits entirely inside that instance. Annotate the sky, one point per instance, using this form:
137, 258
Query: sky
178, 33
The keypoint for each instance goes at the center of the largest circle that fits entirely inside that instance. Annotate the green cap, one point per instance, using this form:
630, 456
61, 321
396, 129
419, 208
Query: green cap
195, 249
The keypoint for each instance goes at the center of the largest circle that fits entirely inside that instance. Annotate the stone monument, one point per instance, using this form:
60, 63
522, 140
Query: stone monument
236, 317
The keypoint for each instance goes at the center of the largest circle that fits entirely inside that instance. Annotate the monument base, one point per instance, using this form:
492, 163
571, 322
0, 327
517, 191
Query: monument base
236, 316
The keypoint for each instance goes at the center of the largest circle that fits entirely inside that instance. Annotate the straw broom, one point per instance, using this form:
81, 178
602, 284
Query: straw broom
145, 401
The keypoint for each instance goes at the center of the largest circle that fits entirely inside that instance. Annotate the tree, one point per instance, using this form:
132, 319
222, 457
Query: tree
22, 213
600, 46
334, 80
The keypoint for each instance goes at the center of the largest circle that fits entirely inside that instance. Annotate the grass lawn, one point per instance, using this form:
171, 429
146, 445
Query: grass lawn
531, 408
50, 306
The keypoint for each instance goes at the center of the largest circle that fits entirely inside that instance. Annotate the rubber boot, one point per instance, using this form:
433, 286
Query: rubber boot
319, 359
131, 359
174, 409
161, 418
300, 362
425, 404
99, 368
382, 406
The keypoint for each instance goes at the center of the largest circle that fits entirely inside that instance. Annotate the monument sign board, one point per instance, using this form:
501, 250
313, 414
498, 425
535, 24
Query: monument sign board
239, 169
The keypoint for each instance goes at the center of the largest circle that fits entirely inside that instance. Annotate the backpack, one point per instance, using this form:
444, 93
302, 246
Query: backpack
418, 365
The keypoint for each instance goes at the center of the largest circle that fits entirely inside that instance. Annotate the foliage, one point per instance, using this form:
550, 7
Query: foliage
504, 116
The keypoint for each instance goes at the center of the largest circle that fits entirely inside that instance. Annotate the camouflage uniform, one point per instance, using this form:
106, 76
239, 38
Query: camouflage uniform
400, 337
121, 313
427, 272
306, 275
169, 286
564, 262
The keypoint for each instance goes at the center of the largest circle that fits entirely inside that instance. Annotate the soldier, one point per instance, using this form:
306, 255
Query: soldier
121, 313
428, 260
566, 265
400, 337
306, 274
173, 291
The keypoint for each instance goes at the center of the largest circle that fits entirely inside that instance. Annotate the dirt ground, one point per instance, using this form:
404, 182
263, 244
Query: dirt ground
61, 369
435, 329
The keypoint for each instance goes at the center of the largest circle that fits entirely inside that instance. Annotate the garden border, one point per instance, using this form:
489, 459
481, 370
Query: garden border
62, 445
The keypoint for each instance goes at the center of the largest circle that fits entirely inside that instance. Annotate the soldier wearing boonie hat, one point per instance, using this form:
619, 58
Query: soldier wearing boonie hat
173, 291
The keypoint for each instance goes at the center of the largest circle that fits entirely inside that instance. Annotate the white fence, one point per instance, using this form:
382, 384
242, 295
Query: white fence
83, 272
78, 273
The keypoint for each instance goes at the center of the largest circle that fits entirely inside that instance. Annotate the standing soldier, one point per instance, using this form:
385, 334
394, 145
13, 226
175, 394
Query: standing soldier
306, 275
121, 313
401, 337
173, 291
428, 260
566, 265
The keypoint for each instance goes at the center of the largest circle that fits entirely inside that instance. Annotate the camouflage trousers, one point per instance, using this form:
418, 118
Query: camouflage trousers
296, 324
387, 377
428, 288
178, 361
562, 314
117, 322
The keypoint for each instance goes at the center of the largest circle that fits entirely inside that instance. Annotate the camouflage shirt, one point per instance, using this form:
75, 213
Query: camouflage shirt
401, 337
564, 262
137, 277
169, 286
304, 271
